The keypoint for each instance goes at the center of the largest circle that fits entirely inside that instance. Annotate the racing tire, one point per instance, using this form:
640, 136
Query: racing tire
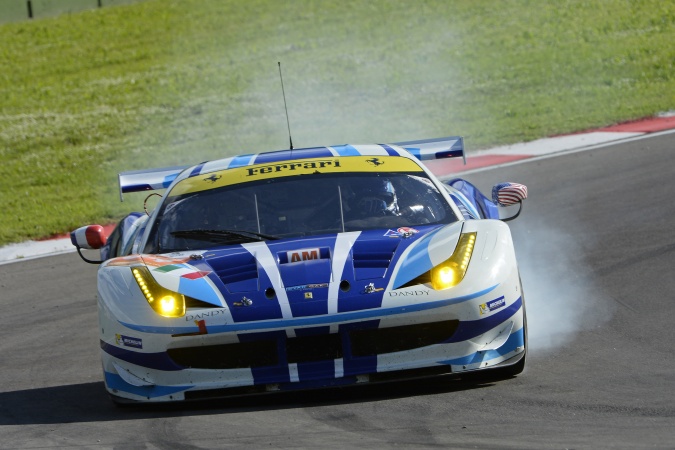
502, 373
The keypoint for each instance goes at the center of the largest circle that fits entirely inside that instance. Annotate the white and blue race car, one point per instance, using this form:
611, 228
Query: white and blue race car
306, 268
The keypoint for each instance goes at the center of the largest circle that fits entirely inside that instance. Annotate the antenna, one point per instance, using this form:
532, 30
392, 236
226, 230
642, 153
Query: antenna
288, 123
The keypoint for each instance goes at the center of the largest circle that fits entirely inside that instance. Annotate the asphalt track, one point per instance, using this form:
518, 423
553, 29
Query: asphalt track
597, 252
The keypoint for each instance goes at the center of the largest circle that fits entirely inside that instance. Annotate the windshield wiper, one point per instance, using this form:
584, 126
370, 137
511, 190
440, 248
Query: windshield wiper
224, 236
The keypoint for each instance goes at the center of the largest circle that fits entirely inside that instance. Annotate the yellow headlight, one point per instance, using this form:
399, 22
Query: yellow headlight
451, 271
170, 304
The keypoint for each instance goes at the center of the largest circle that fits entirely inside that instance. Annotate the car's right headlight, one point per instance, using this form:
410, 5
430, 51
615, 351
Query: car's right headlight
163, 301
451, 271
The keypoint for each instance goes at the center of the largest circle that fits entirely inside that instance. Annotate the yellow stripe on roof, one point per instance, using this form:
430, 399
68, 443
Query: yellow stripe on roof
336, 164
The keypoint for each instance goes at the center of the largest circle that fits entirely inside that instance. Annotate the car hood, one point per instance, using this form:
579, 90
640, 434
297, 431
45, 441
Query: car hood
306, 276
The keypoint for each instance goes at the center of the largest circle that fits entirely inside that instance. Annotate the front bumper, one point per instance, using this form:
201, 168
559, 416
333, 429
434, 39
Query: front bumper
398, 346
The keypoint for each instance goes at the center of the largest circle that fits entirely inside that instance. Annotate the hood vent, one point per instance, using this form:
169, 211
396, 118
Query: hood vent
373, 257
239, 272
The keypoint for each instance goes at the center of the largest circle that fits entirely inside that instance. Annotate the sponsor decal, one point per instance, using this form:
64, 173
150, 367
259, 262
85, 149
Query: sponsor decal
308, 296
303, 254
128, 341
488, 307
244, 302
196, 275
306, 287
415, 293
375, 161
403, 232
306, 254
371, 288
204, 315
291, 166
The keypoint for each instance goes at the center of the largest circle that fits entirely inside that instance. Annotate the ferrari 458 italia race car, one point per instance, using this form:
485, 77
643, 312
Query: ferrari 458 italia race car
306, 268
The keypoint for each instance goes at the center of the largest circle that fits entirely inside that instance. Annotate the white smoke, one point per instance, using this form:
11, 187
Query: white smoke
562, 298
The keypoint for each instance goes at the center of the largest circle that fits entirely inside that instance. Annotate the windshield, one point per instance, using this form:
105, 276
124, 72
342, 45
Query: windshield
297, 206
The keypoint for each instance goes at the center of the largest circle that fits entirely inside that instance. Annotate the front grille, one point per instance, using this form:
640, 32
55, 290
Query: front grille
314, 348
227, 356
397, 339
324, 347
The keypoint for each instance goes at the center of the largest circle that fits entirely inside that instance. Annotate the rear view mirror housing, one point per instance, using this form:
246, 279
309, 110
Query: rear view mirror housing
88, 237
508, 194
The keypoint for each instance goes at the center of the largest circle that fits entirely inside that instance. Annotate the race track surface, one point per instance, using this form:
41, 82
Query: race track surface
596, 247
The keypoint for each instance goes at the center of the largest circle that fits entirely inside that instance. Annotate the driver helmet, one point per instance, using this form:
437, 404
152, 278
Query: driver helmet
376, 197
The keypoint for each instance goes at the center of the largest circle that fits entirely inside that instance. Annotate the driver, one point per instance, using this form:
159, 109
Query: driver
371, 197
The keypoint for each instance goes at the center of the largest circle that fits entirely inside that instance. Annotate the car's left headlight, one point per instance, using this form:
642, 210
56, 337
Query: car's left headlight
451, 271
163, 301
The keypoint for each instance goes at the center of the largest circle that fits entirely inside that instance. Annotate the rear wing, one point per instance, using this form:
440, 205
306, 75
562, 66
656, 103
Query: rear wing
148, 180
440, 148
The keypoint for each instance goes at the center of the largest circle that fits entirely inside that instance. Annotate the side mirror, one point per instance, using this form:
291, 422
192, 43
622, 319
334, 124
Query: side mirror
507, 194
89, 237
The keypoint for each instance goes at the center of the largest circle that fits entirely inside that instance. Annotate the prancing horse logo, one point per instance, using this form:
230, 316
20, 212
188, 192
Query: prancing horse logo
374, 161
213, 178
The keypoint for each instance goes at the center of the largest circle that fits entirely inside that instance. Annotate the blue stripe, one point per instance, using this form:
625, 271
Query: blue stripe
517, 339
276, 374
138, 187
200, 289
390, 151
469, 329
280, 155
346, 150
309, 321
168, 180
285, 155
270, 374
424, 155
239, 161
316, 370
415, 152
416, 263
195, 171
316, 152
159, 360
114, 381
471, 209
357, 365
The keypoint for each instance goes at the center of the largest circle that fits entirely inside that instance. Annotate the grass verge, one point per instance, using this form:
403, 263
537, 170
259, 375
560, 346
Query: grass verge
165, 82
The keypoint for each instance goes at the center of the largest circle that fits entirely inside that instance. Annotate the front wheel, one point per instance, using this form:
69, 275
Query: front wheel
502, 373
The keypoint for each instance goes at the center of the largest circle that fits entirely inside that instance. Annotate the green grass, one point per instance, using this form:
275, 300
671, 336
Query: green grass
166, 82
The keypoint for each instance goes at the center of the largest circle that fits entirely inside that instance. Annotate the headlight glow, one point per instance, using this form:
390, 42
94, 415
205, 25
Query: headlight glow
163, 301
451, 271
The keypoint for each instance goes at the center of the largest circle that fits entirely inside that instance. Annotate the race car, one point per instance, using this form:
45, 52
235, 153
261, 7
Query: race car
306, 268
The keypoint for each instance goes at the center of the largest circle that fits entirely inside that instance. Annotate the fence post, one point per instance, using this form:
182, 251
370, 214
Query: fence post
30, 9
